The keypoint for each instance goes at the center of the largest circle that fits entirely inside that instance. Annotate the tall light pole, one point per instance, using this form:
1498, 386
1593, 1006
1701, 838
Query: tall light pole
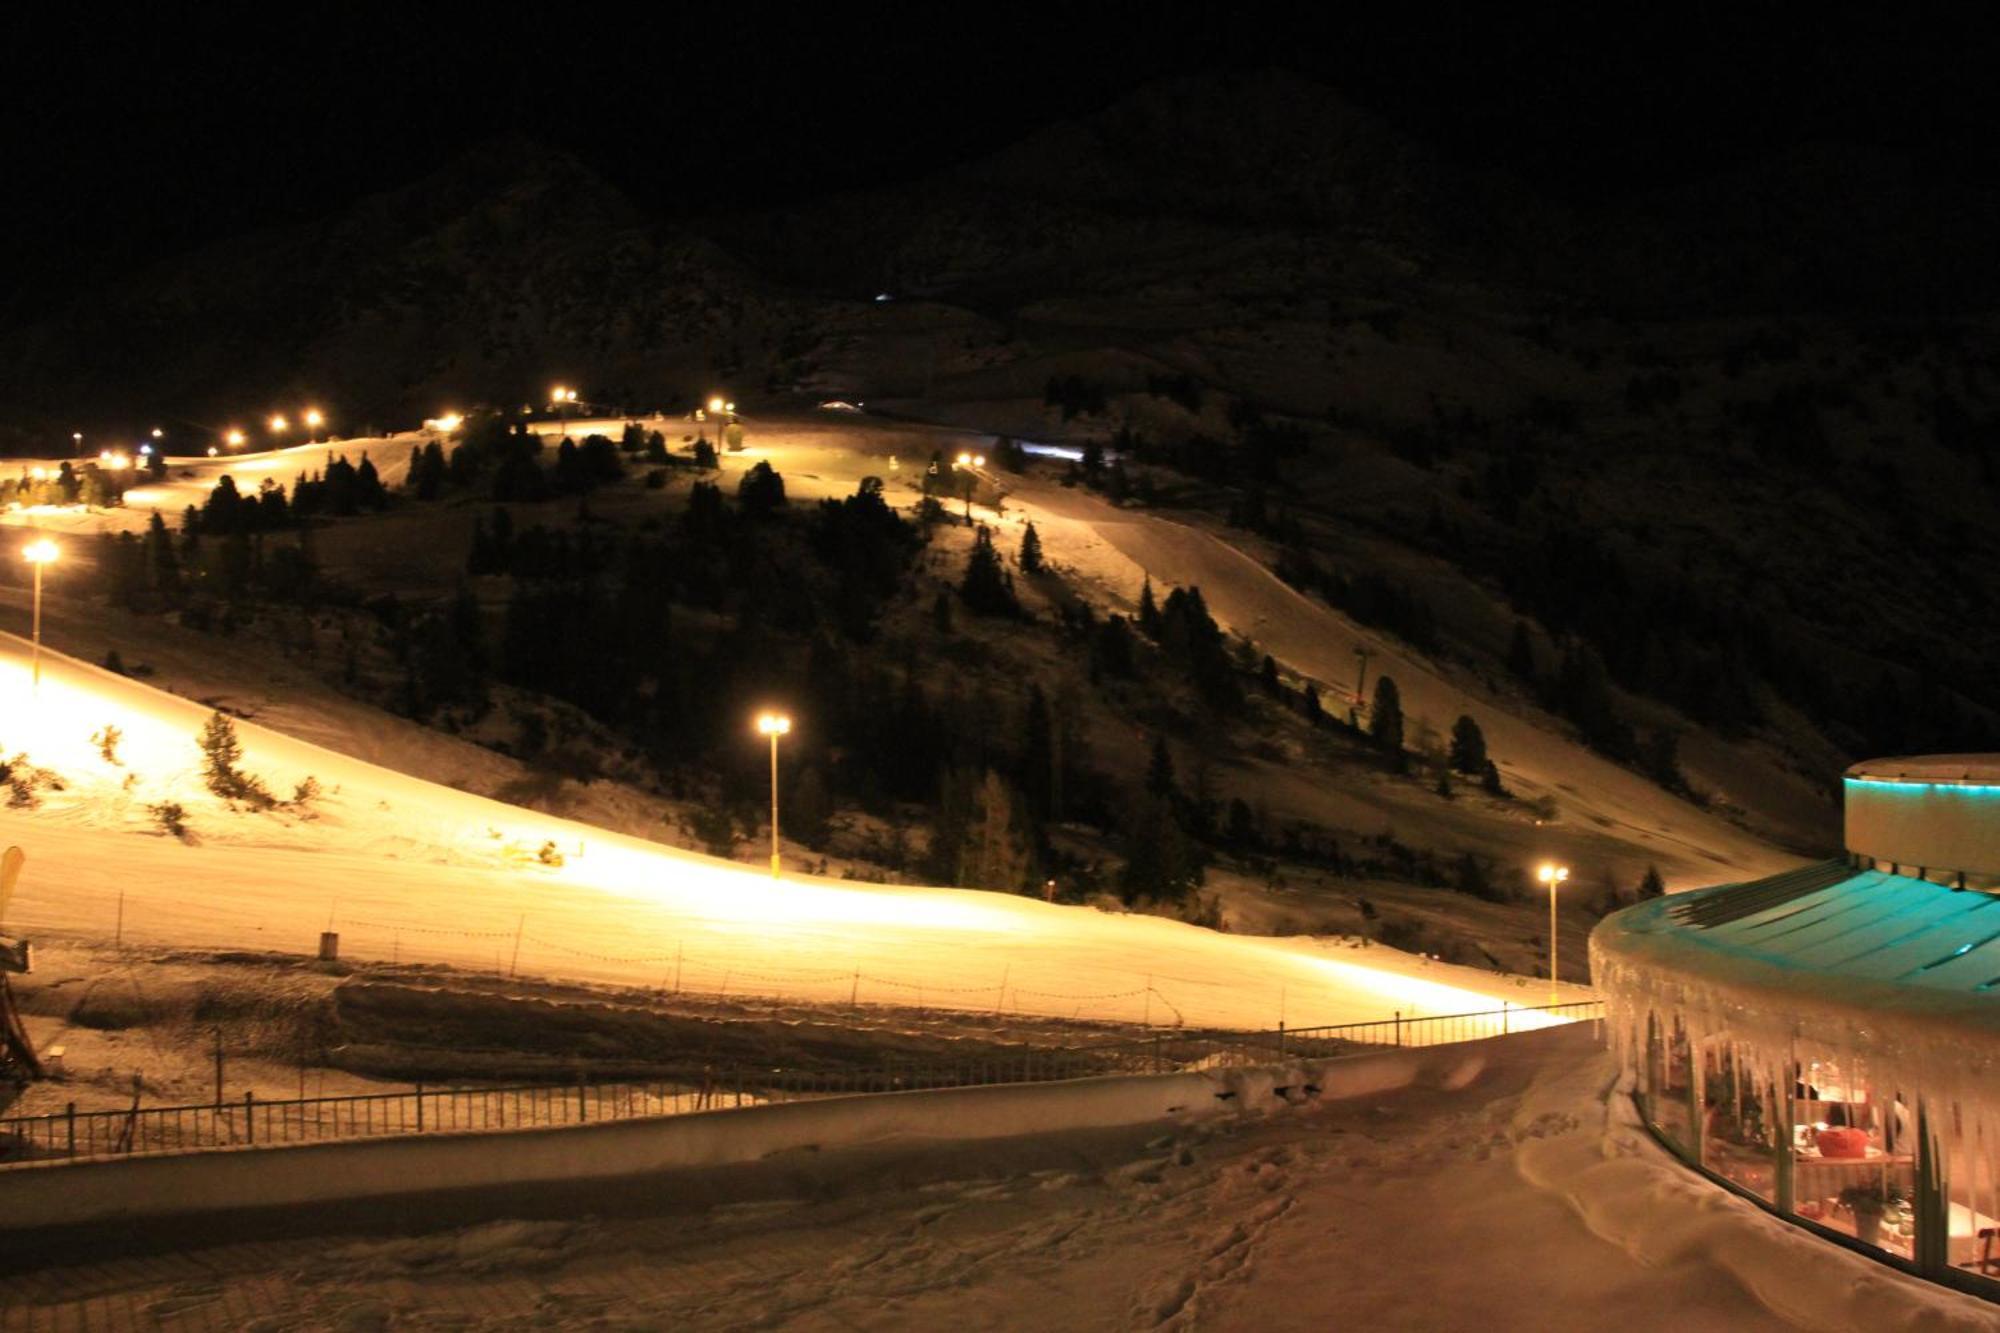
717, 407
774, 725
1552, 874
38, 554
561, 397
969, 464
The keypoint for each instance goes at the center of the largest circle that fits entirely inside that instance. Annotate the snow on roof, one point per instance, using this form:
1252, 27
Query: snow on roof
1895, 977
1929, 768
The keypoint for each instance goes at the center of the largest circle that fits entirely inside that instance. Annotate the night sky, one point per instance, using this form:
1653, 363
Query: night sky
126, 144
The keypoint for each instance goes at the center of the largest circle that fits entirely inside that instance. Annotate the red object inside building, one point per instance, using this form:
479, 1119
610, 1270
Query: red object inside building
1842, 1141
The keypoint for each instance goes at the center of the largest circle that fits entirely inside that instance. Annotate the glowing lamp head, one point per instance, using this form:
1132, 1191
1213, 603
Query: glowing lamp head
43, 552
234, 439
979, 460
212, 451
773, 724
157, 432
449, 422
729, 407
77, 436
963, 460
716, 404
313, 418
1552, 874
279, 425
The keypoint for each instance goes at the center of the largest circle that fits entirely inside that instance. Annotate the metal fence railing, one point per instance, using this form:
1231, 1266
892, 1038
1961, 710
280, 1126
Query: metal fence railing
73, 1135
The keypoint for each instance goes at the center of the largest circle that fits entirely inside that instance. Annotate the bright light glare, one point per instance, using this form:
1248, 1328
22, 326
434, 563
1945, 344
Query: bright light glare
211, 451
716, 404
1551, 873
43, 552
773, 724
313, 418
233, 439
157, 432
278, 424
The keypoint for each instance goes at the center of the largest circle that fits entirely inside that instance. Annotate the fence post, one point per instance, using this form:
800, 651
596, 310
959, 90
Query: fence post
72, 1129
582, 1111
420, 1108
250, 1115
1281, 1039
1399, 1027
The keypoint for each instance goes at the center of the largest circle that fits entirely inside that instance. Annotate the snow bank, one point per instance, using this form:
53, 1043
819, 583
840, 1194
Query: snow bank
1631, 1193
54, 1194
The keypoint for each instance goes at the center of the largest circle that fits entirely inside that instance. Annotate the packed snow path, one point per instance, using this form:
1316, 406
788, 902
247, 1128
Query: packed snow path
1487, 1207
406, 869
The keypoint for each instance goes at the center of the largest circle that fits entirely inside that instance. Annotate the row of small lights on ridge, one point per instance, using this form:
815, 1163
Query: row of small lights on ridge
117, 460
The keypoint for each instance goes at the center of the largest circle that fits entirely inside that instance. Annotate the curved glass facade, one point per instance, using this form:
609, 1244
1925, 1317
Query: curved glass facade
1826, 1042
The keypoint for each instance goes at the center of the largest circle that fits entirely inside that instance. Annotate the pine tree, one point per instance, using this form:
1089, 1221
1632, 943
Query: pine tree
1385, 718
1242, 825
1521, 654
997, 855
1652, 886
164, 564
1468, 747
221, 755
1162, 864
807, 809
1489, 780
1031, 551
1268, 674
1160, 769
1149, 613
1039, 778
986, 588
761, 490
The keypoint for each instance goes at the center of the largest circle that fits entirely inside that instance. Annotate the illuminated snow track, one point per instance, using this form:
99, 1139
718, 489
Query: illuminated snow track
415, 871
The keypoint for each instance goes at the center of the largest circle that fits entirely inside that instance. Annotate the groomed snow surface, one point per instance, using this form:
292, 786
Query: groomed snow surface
410, 870
1523, 1199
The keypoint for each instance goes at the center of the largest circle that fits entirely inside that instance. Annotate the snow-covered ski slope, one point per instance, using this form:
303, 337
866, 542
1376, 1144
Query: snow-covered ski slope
408, 869
188, 480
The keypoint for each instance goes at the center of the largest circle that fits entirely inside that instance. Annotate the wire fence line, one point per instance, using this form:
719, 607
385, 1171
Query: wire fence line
71, 1135
681, 971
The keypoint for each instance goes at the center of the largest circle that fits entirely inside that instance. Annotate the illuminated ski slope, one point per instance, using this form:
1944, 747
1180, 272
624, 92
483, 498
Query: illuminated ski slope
408, 869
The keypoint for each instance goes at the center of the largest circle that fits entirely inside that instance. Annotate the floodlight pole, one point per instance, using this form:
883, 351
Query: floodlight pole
1555, 996
37, 654
774, 804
